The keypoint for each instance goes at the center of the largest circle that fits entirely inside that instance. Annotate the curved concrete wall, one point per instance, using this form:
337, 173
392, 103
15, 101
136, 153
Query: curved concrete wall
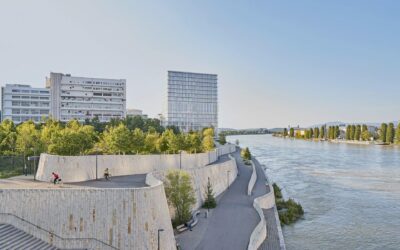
252, 180
82, 168
221, 176
123, 218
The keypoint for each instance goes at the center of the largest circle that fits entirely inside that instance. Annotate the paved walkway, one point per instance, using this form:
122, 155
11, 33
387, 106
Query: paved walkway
127, 181
272, 241
231, 223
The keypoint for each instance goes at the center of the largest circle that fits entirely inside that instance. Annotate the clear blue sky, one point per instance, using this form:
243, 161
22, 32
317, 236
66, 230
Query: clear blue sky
278, 62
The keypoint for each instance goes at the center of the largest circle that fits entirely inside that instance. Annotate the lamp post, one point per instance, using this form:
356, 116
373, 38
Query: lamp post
158, 241
180, 159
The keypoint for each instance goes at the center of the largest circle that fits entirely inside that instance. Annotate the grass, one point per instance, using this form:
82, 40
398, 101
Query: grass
11, 166
289, 211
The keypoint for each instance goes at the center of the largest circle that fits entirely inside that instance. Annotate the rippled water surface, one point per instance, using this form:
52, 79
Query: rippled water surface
350, 193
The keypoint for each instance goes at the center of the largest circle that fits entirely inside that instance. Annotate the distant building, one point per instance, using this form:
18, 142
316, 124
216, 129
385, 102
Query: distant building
135, 112
192, 100
21, 103
85, 98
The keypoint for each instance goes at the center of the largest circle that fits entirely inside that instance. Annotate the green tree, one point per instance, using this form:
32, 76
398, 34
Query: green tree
291, 133
137, 140
222, 138
285, 132
193, 142
74, 139
151, 143
245, 153
8, 138
311, 133
398, 133
208, 139
48, 131
390, 133
323, 131
337, 132
383, 132
307, 134
348, 136
357, 133
209, 201
180, 194
365, 134
352, 132
116, 140
28, 139
316, 132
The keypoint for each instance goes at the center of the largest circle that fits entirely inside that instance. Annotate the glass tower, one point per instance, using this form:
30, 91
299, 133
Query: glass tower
192, 100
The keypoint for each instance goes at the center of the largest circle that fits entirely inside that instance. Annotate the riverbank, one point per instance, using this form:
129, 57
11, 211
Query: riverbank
339, 185
374, 143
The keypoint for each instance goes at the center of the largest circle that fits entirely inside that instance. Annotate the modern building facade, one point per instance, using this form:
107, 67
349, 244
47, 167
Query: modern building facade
135, 112
21, 103
192, 100
85, 98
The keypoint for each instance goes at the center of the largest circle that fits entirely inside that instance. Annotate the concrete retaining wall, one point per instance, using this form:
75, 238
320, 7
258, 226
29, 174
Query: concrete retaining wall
123, 218
252, 180
221, 176
260, 233
82, 168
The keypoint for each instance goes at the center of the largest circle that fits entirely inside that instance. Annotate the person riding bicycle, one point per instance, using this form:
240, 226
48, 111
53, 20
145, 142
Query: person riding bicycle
56, 178
107, 174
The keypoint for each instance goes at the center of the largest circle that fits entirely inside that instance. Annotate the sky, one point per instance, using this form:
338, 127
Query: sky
279, 63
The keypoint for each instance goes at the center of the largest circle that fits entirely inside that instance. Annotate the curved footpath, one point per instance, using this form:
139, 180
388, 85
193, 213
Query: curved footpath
274, 238
231, 223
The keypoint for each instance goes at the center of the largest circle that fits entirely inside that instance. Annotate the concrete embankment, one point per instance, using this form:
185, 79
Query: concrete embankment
95, 216
265, 236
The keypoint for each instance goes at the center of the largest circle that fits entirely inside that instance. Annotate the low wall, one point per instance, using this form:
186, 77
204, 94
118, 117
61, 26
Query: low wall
122, 218
221, 176
82, 168
252, 180
266, 201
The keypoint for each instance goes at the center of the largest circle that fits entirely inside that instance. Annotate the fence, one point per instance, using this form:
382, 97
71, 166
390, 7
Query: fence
13, 165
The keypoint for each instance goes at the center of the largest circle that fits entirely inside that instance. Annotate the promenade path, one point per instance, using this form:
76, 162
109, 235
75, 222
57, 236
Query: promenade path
127, 181
272, 241
231, 223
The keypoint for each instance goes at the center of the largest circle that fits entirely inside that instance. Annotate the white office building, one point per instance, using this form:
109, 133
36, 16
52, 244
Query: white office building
85, 98
135, 112
192, 100
21, 103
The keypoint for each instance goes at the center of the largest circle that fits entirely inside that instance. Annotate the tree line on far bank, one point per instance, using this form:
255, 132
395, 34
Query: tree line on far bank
116, 137
387, 133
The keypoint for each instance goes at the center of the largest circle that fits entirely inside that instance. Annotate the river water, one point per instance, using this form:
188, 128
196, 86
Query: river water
350, 193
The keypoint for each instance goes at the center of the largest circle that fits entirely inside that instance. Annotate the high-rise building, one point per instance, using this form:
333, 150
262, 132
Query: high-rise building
85, 98
192, 100
21, 103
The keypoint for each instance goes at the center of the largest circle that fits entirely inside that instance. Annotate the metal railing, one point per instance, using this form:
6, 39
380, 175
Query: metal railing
58, 236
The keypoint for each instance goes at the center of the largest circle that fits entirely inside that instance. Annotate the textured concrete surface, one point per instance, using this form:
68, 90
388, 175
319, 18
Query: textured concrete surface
231, 223
272, 241
82, 168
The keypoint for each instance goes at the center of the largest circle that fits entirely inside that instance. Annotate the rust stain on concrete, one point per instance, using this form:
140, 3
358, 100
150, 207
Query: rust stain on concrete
129, 225
114, 217
110, 235
81, 224
71, 222
94, 214
146, 226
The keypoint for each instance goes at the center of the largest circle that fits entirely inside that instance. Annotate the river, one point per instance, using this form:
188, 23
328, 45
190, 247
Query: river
350, 193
